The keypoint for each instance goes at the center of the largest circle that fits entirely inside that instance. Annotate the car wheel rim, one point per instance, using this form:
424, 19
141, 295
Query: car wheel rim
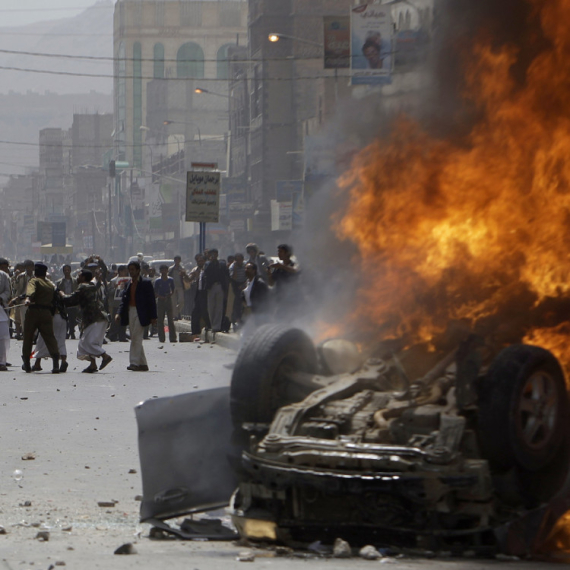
537, 410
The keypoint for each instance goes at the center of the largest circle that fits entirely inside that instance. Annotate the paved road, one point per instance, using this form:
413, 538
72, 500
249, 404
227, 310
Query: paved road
82, 432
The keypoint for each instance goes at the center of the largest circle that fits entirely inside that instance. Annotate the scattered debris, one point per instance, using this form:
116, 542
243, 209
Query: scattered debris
341, 549
318, 547
3, 530
28, 457
284, 551
246, 556
369, 553
42, 536
23, 398
106, 504
132, 471
26, 504
127, 548
67, 528
507, 558
138, 497
60, 563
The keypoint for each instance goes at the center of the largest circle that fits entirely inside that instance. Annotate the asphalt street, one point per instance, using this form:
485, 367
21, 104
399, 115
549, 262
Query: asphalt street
69, 467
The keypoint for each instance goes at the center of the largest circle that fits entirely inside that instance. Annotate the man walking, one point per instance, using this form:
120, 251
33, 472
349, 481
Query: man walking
164, 290
39, 317
68, 285
93, 321
5, 297
255, 294
138, 310
216, 282
177, 273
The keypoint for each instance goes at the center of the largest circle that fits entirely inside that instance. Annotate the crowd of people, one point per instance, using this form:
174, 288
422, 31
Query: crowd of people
44, 305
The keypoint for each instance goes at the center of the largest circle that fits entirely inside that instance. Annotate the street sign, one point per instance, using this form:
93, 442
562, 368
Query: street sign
203, 196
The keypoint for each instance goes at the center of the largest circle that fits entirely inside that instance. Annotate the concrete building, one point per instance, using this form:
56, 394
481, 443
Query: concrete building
180, 43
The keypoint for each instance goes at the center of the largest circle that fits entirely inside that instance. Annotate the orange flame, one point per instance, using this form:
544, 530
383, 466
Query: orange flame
477, 230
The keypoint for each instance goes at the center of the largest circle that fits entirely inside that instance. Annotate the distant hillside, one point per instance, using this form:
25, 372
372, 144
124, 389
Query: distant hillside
90, 33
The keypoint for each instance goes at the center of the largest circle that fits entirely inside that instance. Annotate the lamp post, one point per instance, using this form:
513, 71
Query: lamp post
185, 123
275, 37
201, 90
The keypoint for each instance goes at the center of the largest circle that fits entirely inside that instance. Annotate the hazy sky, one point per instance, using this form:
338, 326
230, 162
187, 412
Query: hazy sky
19, 12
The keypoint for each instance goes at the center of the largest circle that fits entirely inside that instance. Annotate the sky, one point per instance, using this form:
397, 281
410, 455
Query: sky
21, 12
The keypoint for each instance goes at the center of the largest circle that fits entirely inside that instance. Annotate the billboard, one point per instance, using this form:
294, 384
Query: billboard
203, 196
281, 216
337, 42
371, 54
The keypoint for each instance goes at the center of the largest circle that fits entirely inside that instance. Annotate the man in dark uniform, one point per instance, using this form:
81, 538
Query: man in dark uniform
39, 317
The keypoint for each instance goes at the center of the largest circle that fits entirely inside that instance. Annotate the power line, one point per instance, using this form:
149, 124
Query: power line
149, 78
151, 60
59, 9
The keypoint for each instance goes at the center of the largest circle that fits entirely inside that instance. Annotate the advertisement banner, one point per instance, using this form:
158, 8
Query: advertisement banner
281, 216
337, 42
371, 54
203, 197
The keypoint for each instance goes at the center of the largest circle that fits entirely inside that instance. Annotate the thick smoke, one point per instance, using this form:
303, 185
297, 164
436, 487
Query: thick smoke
443, 109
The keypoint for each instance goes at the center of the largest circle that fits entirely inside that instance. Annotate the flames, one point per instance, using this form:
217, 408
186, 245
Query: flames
475, 231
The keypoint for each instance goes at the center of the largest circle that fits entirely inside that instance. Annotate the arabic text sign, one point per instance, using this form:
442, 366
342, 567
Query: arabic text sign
371, 44
203, 197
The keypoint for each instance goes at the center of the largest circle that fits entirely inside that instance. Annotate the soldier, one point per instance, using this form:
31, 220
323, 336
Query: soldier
39, 317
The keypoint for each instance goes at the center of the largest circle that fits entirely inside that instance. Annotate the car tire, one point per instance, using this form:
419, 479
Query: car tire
523, 409
258, 386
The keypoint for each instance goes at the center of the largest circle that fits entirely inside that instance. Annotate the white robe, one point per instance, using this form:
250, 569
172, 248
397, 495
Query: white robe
60, 332
91, 343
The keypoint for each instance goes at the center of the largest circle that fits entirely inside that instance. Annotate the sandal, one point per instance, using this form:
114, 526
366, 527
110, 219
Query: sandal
105, 361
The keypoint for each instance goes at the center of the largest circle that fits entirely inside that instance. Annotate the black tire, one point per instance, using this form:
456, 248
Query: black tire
258, 385
523, 409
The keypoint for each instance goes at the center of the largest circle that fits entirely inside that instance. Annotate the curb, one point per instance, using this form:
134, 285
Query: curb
225, 340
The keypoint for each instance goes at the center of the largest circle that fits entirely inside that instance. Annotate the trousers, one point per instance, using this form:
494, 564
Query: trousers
39, 320
164, 307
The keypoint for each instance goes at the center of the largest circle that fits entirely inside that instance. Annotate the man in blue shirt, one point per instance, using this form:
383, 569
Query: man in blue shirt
164, 290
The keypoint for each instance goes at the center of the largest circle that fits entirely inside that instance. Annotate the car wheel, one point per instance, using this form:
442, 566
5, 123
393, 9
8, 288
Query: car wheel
265, 362
523, 409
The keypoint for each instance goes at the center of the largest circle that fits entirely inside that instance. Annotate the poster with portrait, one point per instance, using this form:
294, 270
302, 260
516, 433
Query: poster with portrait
122, 284
371, 54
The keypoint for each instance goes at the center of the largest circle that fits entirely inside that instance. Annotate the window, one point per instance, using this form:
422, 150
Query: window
137, 105
159, 14
230, 15
138, 15
190, 61
158, 58
223, 68
190, 14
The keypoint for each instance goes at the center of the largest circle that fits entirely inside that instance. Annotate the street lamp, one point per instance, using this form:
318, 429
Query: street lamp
275, 37
201, 90
185, 123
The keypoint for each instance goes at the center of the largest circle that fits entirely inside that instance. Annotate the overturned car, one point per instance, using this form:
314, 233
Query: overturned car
412, 449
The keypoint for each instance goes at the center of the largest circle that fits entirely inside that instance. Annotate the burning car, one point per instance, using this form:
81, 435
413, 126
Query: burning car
328, 442
338, 446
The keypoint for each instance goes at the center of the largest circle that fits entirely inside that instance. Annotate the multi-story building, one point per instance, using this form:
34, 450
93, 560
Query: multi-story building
181, 45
